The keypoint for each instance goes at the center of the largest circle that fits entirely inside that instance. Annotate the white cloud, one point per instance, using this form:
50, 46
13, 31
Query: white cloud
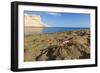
55, 14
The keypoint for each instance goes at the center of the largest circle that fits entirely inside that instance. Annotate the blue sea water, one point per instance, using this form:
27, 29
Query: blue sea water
59, 29
34, 30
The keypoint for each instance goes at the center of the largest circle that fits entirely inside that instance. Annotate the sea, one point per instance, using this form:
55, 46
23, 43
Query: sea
40, 30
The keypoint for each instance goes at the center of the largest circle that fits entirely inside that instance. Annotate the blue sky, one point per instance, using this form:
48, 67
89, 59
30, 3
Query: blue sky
59, 19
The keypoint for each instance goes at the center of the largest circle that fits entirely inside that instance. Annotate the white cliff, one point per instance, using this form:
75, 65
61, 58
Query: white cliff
33, 21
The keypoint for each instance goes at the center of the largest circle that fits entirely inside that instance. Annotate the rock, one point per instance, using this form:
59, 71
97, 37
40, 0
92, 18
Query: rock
34, 21
62, 47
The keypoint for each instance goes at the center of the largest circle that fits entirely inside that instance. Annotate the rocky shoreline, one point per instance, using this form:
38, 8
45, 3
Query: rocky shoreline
65, 45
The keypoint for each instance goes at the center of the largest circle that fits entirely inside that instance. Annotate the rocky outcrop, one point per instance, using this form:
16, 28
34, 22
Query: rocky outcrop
66, 45
72, 47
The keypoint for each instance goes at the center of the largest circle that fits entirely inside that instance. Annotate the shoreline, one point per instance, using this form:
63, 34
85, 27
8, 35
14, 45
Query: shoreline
84, 29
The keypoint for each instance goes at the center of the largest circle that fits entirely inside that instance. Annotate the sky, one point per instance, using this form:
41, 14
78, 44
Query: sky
59, 19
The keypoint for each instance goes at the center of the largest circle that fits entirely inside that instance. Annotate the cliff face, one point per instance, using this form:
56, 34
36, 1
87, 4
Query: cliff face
33, 21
